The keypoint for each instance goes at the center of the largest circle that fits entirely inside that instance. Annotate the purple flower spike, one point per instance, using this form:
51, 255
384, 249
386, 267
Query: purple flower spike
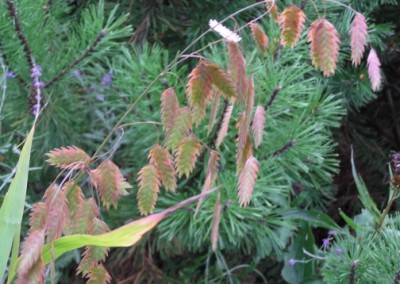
332, 233
291, 262
39, 84
326, 242
36, 71
91, 88
10, 74
107, 79
77, 74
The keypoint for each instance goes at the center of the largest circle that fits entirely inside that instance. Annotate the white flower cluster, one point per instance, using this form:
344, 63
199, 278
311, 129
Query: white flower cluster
224, 31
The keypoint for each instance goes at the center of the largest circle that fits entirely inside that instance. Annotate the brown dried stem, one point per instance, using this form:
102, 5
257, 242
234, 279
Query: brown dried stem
21, 36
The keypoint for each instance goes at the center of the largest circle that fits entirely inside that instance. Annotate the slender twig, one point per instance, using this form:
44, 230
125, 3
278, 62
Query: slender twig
343, 5
78, 60
240, 267
3, 83
21, 36
387, 208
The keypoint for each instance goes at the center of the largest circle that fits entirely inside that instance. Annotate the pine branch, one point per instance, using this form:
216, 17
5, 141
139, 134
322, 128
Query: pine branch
283, 149
352, 278
21, 36
78, 60
275, 92
396, 279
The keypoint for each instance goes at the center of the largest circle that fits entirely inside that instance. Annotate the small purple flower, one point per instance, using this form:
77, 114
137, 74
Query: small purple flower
107, 79
91, 88
291, 262
77, 74
39, 84
332, 233
326, 242
338, 251
36, 71
10, 74
35, 110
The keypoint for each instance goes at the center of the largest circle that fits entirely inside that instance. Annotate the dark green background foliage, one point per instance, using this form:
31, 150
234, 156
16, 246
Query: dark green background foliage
310, 126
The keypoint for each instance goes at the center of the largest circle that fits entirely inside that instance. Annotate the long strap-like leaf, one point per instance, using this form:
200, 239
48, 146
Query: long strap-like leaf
124, 236
13, 205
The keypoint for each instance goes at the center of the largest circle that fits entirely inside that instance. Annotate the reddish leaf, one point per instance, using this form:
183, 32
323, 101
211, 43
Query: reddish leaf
199, 90
221, 80
212, 166
98, 275
182, 127
186, 155
109, 182
273, 10
31, 251
213, 113
75, 197
149, 187
35, 275
249, 103
258, 125
243, 124
71, 157
244, 153
215, 224
358, 34
224, 126
374, 70
244, 147
211, 176
292, 23
199, 87
247, 180
38, 216
85, 214
58, 212
260, 37
324, 47
169, 109
164, 163
237, 69
94, 254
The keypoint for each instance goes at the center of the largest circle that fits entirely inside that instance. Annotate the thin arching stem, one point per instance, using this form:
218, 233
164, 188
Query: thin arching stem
174, 62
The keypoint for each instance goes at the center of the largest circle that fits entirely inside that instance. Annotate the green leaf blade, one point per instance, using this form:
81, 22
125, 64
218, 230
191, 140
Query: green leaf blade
12, 209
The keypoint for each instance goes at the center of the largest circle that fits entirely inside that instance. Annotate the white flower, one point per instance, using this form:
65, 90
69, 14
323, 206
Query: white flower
224, 31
